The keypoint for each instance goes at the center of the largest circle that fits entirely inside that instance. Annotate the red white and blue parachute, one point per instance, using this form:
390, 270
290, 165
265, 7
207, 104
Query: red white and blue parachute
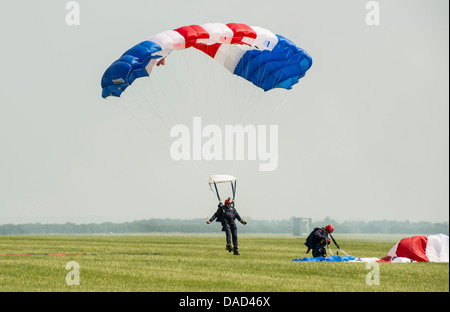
256, 54
432, 248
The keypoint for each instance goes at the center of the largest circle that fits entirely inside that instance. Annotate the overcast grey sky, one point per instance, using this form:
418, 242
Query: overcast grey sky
364, 136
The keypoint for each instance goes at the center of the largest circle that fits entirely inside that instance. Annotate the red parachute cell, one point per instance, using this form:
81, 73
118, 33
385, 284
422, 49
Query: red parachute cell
413, 248
432, 248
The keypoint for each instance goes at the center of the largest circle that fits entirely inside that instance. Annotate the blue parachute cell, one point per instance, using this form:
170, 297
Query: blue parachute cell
280, 68
325, 259
128, 67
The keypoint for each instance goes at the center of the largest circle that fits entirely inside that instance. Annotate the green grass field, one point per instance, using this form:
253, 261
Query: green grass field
198, 263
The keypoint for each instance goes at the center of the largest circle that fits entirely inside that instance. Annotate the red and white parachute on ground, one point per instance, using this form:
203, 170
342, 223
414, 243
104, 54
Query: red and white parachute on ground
433, 248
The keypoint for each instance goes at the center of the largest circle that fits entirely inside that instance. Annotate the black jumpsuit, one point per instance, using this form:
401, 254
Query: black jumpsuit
227, 217
320, 239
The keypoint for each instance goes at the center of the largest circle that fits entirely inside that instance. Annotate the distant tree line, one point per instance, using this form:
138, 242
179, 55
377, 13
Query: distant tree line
387, 227
200, 226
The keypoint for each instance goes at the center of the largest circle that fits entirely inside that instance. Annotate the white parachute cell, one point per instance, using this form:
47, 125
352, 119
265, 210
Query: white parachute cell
221, 179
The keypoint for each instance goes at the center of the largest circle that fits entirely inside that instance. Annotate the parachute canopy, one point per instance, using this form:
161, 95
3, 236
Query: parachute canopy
326, 259
221, 179
433, 248
256, 54
214, 179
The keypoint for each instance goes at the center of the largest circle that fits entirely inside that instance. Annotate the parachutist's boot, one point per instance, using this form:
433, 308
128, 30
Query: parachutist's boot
228, 247
236, 251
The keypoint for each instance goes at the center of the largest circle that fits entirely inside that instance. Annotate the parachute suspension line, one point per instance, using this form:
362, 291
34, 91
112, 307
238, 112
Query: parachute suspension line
191, 66
152, 110
144, 125
155, 114
281, 103
264, 71
172, 97
139, 122
238, 110
210, 94
278, 108
217, 192
187, 90
328, 246
136, 97
210, 188
337, 246
184, 92
181, 93
190, 69
233, 188
160, 103
244, 98
278, 104
212, 84
250, 98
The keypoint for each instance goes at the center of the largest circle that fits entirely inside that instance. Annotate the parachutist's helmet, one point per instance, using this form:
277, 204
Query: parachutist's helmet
329, 228
228, 201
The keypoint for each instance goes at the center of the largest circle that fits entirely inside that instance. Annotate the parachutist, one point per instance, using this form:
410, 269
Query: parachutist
318, 240
226, 214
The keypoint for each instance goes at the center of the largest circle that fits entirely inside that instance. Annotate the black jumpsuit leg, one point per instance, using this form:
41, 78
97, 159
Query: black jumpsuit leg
228, 234
233, 228
318, 251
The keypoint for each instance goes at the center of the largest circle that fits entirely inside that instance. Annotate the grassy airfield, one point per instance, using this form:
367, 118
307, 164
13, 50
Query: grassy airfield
200, 263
